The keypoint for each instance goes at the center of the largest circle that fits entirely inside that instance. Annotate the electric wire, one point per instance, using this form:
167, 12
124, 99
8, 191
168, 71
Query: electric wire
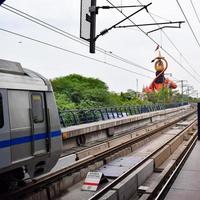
195, 11
72, 52
188, 23
158, 44
68, 35
43, 23
185, 59
168, 38
78, 39
158, 16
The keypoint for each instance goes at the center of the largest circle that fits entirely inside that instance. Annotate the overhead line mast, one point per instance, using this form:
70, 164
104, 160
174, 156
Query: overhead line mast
68, 35
1, 1
170, 40
154, 41
89, 10
88, 20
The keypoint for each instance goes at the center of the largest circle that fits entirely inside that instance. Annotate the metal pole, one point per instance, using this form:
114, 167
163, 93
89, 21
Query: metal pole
137, 86
182, 87
92, 26
182, 90
1, 1
198, 112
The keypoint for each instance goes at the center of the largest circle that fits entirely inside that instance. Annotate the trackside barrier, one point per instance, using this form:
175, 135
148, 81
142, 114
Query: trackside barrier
76, 117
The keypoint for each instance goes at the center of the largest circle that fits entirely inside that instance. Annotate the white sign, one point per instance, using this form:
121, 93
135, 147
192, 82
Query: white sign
92, 181
84, 24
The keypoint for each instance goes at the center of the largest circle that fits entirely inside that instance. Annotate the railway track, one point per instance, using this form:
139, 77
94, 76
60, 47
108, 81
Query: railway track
138, 136
97, 146
159, 194
163, 190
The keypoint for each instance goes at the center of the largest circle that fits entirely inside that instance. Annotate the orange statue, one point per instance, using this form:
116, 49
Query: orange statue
160, 81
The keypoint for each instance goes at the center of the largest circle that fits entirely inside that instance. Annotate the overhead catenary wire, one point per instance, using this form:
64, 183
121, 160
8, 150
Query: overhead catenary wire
99, 49
169, 39
195, 11
72, 52
191, 29
185, 59
157, 44
158, 16
68, 35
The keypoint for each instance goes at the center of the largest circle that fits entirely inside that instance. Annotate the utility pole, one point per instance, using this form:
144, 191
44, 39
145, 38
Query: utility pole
137, 85
92, 19
189, 88
182, 87
1, 1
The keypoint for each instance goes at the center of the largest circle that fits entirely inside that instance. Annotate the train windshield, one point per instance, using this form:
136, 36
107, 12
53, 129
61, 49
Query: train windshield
1, 111
37, 106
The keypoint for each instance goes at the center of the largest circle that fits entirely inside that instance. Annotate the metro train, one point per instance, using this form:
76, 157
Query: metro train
30, 133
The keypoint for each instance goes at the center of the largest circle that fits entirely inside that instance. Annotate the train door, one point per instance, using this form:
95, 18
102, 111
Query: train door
5, 155
20, 128
41, 137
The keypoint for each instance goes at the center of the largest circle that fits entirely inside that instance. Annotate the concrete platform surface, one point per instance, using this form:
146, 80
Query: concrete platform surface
120, 165
187, 184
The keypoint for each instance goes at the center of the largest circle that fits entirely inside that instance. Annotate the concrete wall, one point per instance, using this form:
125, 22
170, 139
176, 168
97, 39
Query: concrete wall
114, 127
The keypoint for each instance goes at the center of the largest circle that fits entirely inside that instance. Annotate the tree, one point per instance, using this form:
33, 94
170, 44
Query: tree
81, 91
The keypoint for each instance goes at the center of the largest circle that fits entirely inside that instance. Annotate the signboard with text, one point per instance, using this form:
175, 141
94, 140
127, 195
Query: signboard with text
92, 181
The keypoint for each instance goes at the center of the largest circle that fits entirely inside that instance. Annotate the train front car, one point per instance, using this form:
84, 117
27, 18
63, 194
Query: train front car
30, 135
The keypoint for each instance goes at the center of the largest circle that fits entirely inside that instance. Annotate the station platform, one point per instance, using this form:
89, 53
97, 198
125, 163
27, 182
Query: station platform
187, 184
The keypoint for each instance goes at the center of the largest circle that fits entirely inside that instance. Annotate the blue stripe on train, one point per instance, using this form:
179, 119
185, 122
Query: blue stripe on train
26, 139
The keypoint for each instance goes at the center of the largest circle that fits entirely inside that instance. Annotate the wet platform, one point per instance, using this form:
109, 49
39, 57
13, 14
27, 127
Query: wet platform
187, 184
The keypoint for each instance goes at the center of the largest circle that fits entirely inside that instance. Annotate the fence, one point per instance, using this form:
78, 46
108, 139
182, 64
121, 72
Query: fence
76, 117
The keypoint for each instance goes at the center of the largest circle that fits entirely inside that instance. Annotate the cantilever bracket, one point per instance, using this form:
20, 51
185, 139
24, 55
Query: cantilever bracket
111, 7
115, 25
151, 24
160, 28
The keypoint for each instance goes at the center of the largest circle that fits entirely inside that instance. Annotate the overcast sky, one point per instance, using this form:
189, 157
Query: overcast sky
130, 43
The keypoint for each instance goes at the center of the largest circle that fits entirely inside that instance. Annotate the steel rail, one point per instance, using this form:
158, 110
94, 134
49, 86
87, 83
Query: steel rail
124, 175
123, 133
161, 195
48, 180
159, 187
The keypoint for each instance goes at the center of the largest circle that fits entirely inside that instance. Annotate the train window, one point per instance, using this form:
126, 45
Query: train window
37, 108
1, 112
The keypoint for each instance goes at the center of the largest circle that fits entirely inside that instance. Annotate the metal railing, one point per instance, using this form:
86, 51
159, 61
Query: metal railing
76, 117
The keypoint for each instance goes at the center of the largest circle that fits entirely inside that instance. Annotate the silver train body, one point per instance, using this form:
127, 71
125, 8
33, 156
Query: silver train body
30, 134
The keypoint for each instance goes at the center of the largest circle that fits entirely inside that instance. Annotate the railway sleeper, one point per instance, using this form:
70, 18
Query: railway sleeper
165, 161
64, 183
154, 185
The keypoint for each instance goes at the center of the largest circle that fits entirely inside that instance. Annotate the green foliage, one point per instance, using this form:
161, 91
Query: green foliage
78, 92
75, 91
63, 102
165, 95
131, 98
